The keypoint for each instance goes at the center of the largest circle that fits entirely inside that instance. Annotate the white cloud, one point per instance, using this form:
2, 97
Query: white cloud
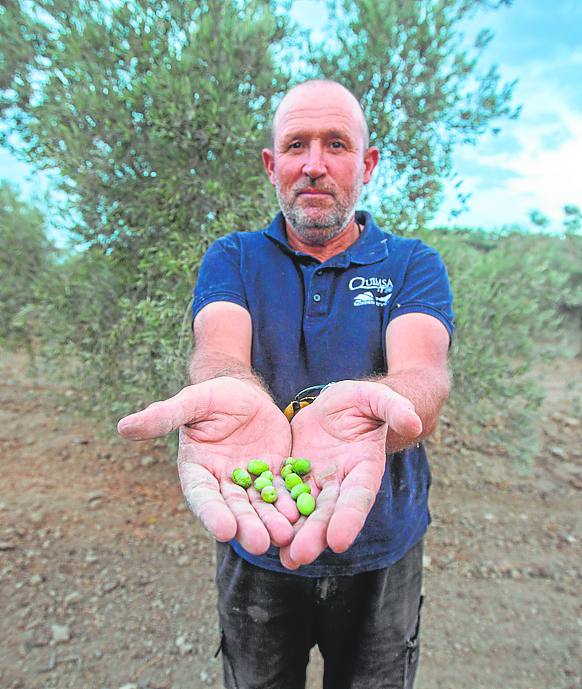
546, 167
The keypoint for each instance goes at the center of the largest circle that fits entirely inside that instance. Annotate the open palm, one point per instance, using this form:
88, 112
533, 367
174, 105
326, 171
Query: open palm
343, 434
223, 424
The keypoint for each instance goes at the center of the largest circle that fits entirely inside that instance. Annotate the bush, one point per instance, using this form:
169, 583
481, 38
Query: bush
26, 256
509, 296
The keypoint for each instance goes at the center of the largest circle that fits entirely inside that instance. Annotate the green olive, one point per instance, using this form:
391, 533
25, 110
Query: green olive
292, 480
289, 460
267, 474
300, 488
257, 466
241, 478
301, 466
269, 494
261, 482
306, 504
286, 470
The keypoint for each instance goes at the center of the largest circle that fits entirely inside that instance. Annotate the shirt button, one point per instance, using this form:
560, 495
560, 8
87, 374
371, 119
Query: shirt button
317, 297
319, 272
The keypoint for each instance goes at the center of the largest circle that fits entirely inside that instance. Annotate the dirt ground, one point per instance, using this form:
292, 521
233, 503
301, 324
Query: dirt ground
106, 580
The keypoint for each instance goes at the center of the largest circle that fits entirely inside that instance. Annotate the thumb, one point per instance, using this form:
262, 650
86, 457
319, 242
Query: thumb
397, 411
161, 418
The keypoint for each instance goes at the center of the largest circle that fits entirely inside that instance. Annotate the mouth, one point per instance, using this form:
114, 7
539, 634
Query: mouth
314, 193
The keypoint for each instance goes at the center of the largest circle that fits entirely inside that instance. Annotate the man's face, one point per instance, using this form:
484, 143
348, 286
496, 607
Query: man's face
319, 163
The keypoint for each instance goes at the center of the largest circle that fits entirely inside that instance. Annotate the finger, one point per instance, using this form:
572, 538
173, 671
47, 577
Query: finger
202, 493
278, 526
397, 411
285, 503
311, 539
286, 560
251, 533
284, 553
357, 495
161, 418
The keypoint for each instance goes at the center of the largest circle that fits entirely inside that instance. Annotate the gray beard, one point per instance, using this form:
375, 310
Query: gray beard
319, 230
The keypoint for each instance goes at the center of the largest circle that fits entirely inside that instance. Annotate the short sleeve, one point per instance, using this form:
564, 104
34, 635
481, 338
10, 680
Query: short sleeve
425, 288
220, 277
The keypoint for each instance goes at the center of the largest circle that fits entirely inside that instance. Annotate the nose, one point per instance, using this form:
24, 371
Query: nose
314, 166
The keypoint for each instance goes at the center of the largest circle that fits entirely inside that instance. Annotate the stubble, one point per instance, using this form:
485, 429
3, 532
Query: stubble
319, 227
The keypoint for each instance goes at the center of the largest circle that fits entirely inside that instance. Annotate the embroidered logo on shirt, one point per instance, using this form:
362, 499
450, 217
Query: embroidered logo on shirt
378, 290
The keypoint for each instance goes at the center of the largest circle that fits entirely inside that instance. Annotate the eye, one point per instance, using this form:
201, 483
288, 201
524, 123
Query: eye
295, 145
337, 145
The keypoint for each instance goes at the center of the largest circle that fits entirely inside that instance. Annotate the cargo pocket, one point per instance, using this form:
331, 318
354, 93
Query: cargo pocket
412, 652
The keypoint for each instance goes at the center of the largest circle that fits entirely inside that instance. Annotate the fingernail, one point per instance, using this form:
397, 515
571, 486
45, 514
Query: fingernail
129, 428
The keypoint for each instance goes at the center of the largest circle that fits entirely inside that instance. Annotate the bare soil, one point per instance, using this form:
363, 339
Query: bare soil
106, 579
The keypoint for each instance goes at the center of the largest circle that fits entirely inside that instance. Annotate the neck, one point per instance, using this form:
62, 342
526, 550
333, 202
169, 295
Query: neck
331, 248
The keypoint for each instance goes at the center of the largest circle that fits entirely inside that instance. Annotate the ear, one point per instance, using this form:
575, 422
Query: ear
269, 164
371, 158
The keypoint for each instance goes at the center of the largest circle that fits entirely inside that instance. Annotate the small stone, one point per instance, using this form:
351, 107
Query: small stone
182, 507
2, 506
110, 586
36, 579
204, 676
489, 516
91, 558
7, 545
183, 560
148, 461
184, 646
73, 598
36, 518
52, 663
61, 633
558, 452
95, 495
24, 611
426, 561
129, 686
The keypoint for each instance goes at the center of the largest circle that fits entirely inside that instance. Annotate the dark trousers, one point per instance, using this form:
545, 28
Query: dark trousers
366, 625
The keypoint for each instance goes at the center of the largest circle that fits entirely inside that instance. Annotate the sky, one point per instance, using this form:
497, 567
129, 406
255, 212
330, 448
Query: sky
535, 162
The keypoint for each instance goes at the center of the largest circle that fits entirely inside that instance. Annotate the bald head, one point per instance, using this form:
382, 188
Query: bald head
321, 89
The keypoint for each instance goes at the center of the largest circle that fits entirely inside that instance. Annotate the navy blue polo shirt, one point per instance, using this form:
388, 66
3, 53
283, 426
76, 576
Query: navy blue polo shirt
318, 322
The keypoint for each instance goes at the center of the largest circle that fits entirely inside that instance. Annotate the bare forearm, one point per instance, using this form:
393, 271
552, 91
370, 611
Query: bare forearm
427, 389
209, 365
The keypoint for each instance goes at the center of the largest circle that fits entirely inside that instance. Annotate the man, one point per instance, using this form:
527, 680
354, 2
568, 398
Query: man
321, 296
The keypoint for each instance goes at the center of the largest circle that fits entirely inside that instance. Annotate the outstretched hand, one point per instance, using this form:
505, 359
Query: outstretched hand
224, 423
343, 434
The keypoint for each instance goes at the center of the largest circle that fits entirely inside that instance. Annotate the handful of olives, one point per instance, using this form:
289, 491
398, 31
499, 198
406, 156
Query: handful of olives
293, 471
263, 483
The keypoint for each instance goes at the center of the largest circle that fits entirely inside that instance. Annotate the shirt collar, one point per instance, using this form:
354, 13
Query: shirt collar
370, 247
